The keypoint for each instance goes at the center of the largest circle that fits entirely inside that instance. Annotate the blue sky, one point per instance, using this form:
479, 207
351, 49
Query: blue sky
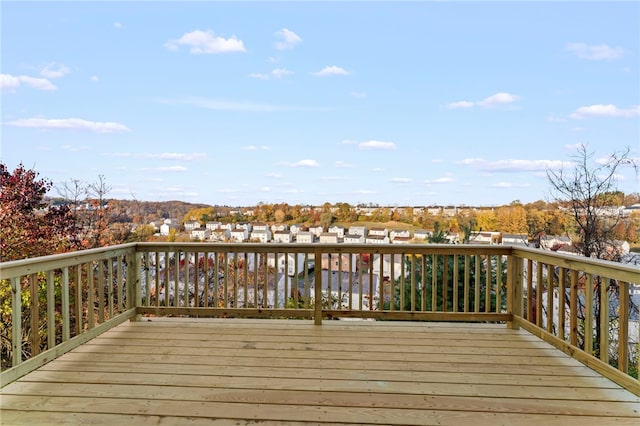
415, 103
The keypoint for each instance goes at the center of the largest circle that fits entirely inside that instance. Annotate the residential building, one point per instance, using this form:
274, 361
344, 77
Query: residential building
279, 227
401, 240
316, 230
282, 237
239, 235
165, 228
261, 235
394, 233
304, 237
260, 226
200, 234
380, 232
212, 226
422, 234
484, 237
220, 235
376, 239
515, 239
357, 230
338, 230
190, 225
328, 238
354, 239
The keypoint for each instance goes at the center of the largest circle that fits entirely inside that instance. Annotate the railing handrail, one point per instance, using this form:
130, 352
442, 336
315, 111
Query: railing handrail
15, 268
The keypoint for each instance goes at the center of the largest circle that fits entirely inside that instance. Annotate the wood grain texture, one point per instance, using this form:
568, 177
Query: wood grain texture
243, 371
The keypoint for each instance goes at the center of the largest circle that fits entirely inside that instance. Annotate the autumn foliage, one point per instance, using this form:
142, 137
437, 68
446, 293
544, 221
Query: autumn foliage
29, 227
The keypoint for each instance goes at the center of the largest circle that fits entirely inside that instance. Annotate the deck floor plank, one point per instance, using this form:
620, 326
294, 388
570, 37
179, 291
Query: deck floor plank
220, 371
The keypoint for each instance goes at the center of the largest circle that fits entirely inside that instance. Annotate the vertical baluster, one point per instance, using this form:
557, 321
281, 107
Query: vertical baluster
604, 320
562, 287
167, 280
434, 283
16, 321
78, 301
51, 311
392, 284
539, 294
445, 282
245, 281
360, 284
196, 280
65, 304
176, 279
489, 283
550, 285
467, 279
456, 284
623, 332
120, 286
110, 286
350, 281
530, 312
275, 280
255, 280
371, 294
339, 280
423, 280
413, 281
156, 258
573, 309
35, 314
498, 284
588, 323
265, 284
90, 296
225, 288
476, 289
100, 285
236, 281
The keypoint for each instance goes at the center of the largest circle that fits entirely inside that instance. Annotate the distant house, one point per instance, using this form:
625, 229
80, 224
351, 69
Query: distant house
240, 235
244, 225
190, 225
316, 230
515, 239
220, 235
259, 226
165, 228
304, 237
376, 239
484, 237
297, 228
401, 240
357, 230
212, 226
338, 230
201, 234
394, 233
380, 232
422, 234
452, 238
354, 239
228, 226
328, 238
264, 236
282, 237
279, 227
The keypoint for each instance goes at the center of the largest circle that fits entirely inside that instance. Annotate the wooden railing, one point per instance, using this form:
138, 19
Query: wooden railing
591, 314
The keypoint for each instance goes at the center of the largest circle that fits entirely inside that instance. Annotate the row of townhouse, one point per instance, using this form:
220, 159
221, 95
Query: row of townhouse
281, 233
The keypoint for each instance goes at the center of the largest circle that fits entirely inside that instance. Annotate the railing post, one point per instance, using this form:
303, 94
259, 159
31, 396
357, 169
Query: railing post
133, 281
16, 320
317, 287
514, 289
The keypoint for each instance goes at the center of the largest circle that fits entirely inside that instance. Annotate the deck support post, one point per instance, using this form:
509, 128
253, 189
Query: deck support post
134, 299
514, 289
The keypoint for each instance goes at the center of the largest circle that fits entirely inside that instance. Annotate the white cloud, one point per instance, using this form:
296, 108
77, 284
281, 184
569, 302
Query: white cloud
288, 39
94, 78
601, 110
595, 52
497, 99
254, 148
177, 156
446, 179
206, 42
377, 169
117, 25
331, 70
10, 82
275, 175
349, 142
54, 70
302, 163
574, 146
265, 189
71, 124
510, 185
275, 73
460, 104
512, 165
554, 119
400, 180
358, 94
344, 165
166, 169
376, 145
333, 178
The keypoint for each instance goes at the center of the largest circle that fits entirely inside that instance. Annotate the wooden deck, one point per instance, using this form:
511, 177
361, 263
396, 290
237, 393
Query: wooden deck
230, 371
